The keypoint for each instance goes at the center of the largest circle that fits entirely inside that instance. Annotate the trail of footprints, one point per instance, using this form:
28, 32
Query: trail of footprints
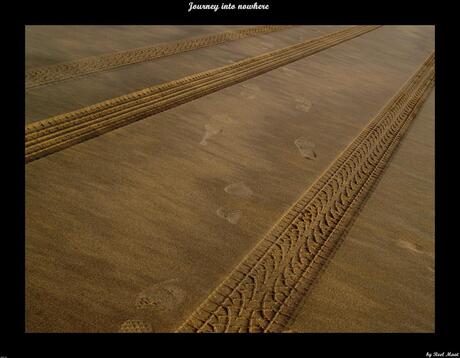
264, 290
166, 296
240, 190
216, 126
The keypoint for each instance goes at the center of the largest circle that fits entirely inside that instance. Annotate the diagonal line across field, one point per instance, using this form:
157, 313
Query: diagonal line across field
263, 292
56, 133
63, 71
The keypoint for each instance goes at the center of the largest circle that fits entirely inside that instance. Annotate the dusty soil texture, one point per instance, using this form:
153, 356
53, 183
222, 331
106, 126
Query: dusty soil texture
131, 231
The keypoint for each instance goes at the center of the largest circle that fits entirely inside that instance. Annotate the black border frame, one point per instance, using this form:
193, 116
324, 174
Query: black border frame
13, 340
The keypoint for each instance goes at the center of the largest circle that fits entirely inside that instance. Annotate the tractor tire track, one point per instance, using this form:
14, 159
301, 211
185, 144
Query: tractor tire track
56, 133
264, 291
63, 71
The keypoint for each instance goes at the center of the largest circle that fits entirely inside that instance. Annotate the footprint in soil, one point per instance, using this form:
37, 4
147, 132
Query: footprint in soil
239, 189
210, 131
306, 148
410, 246
303, 104
161, 297
232, 216
215, 126
135, 326
250, 91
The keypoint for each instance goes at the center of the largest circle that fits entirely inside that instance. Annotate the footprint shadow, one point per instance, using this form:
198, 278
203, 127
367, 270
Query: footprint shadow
306, 148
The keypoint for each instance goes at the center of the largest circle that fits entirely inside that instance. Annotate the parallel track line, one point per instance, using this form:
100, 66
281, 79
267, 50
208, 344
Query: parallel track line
50, 135
63, 71
264, 291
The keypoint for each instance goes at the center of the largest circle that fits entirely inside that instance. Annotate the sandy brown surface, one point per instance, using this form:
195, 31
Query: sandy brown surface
49, 45
66, 96
382, 277
143, 222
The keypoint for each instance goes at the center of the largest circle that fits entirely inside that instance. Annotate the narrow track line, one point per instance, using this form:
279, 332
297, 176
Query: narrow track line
63, 71
59, 132
264, 291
